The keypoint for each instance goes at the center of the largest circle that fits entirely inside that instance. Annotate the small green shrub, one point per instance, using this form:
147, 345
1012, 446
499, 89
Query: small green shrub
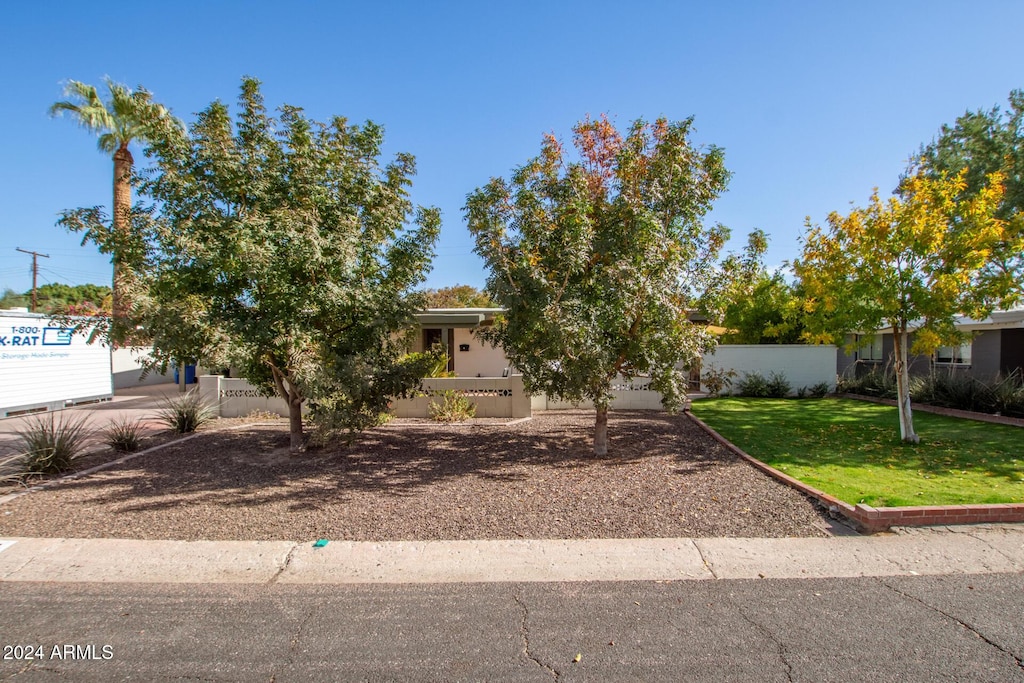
186, 413
819, 390
124, 435
756, 385
50, 444
950, 390
717, 380
879, 383
453, 407
1006, 395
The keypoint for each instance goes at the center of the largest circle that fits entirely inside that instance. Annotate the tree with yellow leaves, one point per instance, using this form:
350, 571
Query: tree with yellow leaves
911, 263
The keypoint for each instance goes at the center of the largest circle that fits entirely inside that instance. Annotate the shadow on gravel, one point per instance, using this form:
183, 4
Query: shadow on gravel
252, 466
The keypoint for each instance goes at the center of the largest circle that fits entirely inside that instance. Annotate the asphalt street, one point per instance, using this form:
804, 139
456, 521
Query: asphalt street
934, 628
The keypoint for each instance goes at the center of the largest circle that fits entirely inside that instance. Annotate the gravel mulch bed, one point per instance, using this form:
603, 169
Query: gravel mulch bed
663, 477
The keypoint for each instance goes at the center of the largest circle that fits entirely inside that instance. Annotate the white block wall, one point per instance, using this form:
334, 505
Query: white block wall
803, 365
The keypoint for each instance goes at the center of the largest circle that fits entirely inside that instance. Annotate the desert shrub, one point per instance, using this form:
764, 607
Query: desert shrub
186, 413
752, 384
819, 390
124, 435
778, 385
50, 444
452, 407
950, 390
756, 385
1006, 395
879, 383
717, 380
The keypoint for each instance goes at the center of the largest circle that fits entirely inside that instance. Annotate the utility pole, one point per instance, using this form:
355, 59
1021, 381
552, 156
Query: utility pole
35, 272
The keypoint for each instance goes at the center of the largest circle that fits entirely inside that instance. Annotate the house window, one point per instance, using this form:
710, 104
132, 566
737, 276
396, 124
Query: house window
953, 355
871, 349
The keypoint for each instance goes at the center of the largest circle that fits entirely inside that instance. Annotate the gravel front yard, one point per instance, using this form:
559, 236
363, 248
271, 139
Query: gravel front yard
663, 477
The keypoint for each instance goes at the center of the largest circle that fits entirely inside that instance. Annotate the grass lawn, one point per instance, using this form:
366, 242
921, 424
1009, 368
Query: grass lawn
852, 450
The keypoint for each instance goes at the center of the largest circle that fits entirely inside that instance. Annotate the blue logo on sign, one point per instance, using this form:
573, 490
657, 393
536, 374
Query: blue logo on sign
57, 336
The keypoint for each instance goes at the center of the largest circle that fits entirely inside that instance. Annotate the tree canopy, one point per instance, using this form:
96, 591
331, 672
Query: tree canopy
281, 245
598, 259
911, 263
458, 296
978, 145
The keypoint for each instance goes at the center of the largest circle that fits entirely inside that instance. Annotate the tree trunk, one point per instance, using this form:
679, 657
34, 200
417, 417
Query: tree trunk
182, 380
296, 441
293, 397
121, 214
903, 386
601, 432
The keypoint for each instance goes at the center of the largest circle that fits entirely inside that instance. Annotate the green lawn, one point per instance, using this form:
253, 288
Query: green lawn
852, 450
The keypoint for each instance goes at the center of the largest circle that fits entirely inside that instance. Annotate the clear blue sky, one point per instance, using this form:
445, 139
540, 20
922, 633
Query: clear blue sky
815, 103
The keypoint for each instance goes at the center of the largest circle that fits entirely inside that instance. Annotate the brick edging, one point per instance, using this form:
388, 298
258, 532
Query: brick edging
870, 519
938, 410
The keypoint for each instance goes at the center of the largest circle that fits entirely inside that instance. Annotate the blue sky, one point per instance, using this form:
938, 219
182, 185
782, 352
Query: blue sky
815, 103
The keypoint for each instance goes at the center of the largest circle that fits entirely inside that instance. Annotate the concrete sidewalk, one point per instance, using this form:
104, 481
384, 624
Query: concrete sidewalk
953, 550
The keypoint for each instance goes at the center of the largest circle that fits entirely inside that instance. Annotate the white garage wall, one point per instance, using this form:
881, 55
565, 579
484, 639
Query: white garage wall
803, 366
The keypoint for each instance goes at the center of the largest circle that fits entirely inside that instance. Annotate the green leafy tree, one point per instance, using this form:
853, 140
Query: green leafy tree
12, 299
598, 260
979, 144
59, 298
767, 310
126, 116
458, 296
283, 246
911, 264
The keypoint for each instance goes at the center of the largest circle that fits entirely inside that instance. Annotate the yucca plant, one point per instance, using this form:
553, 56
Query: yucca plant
124, 435
50, 443
186, 413
453, 407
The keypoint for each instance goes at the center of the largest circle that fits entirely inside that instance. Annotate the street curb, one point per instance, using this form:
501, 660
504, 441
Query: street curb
871, 519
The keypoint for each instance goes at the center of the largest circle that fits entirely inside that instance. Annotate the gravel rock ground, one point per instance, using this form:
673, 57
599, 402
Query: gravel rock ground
663, 477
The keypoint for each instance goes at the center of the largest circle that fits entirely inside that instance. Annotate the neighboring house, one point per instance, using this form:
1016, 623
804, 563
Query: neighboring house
995, 347
453, 328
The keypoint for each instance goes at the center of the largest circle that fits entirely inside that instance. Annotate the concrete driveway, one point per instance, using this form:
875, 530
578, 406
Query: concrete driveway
135, 403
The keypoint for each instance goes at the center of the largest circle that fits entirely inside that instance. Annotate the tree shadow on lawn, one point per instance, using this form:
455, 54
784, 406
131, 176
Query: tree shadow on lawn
252, 466
847, 433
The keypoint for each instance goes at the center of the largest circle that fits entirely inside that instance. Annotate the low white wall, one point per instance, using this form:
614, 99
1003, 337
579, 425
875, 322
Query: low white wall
803, 365
236, 397
492, 396
626, 395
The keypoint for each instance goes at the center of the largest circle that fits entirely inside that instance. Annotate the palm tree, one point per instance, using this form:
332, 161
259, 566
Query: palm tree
127, 116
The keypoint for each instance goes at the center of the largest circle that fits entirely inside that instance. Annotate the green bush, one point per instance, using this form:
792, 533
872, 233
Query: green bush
1006, 395
879, 383
717, 380
453, 407
50, 444
756, 385
124, 435
186, 413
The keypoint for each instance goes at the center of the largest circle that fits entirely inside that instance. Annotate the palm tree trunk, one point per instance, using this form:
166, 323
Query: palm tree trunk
121, 217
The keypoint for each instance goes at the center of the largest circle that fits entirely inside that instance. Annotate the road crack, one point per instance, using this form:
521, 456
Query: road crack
707, 565
957, 620
285, 565
779, 645
524, 633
